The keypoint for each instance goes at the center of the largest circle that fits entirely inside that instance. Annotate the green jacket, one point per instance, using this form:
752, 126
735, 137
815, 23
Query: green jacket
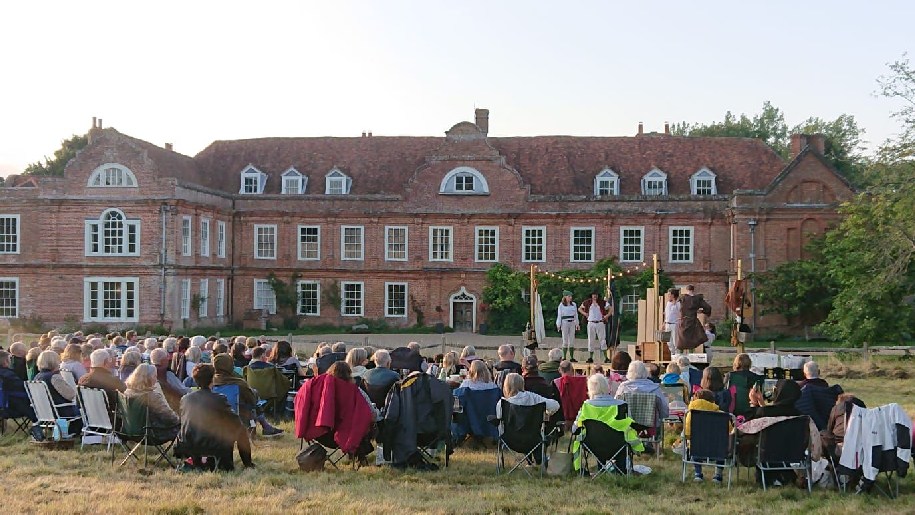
607, 415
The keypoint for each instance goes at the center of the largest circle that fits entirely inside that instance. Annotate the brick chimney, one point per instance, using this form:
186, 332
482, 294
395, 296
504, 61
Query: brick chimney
816, 142
667, 128
168, 146
482, 120
95, 129
641, 128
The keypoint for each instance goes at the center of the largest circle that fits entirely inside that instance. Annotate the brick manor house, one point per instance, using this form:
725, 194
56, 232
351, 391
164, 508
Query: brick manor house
384, 227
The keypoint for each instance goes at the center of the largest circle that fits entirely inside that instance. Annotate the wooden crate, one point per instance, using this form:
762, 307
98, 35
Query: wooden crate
655, 351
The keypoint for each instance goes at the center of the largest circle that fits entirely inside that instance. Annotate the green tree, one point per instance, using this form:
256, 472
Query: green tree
502, 296
287, 298
769, 126
800, 291
55, 166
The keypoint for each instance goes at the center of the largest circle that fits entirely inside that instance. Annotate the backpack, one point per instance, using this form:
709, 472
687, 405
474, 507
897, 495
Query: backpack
312, 458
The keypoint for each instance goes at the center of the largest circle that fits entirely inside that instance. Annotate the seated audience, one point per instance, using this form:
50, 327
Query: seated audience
238, 355
179, 359
18, 360
356, 359
450, 366
141, 387
341, 370
192, 357
689, 375
209, 427
85, 351
172, 388
672, 376
600, 405
61, 391
812, 376
550, 369
267, 380
381, 376
506, 364
703, 400
513, 391
599, 392
784, 398
129, 362
18, 405
743, 380
283, 357
817, 397
72, 361
468, 355
100, 376
338, 347
637, 381
713, 381
654, 372
478, 378
834, 435
533, 382
247, 399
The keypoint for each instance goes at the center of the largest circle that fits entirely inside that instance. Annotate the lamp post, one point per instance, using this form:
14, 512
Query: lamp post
752, 223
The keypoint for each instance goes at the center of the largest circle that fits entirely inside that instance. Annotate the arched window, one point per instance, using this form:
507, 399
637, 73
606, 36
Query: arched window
252, 181
654, 183
294, 183
113, 234
464, 180
337, 183
607, 183
703, 182
112, 175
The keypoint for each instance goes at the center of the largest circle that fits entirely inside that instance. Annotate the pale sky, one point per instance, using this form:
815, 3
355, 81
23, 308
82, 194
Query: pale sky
191, 72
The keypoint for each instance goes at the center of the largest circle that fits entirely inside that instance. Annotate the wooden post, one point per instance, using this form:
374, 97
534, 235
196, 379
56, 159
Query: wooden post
658, 315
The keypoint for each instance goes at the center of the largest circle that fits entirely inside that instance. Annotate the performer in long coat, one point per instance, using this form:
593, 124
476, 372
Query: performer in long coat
690, 333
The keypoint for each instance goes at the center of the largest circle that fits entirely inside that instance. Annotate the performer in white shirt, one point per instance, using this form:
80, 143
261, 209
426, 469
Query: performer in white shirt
672, 318
567, 324
595, 310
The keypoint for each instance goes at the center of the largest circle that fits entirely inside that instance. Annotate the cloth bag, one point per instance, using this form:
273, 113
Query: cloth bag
312, 458
561, 463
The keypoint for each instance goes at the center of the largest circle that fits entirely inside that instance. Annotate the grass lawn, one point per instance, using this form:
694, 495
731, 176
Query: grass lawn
42, 481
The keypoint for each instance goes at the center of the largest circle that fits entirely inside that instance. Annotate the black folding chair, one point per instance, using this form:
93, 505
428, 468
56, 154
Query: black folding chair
712, 441
783, 446
608, 447
21, 421
522, 433
135, 428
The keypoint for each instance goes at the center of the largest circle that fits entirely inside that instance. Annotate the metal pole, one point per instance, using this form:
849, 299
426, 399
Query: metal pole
752, 223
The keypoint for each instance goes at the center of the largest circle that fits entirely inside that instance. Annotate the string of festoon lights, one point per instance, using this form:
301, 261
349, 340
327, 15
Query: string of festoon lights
590, 280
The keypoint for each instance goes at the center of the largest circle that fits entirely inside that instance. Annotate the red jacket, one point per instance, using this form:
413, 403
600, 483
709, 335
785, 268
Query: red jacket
328, 404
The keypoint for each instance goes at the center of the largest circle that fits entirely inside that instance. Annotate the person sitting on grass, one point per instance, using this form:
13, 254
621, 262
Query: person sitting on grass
479, 377
672, 377
703, 400
209, 427
247, 398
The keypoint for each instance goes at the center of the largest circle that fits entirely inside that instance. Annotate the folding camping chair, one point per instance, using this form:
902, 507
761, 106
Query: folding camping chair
608, 447
334, 454
477, 406
643, 409
675, 392
522, 433
712, 441
93, 404
783, 446
21, 421
45, 410
135, 427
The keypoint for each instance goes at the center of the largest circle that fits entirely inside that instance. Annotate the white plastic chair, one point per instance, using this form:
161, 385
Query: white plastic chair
93, 404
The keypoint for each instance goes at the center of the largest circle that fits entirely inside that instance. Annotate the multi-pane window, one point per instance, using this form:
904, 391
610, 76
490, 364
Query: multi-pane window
264, 242
463, 183
487, 244
441, 244
252, 181
309, 242
205, 237
681, 244
110, 299
395, 299
351, 242
309, 296
264, 296
395, 243
533, 244
9, 234
654, 183
293, 182
703, 183
630, 303
220, 297
220, 239
631, 244
336, 183
112, 176
607, 183
112, 235
204, 298
185, 299
9, 297
186, 248
582, 244
352, 298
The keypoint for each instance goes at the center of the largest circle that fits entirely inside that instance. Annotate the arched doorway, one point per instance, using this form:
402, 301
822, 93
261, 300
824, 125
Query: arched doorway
463, 311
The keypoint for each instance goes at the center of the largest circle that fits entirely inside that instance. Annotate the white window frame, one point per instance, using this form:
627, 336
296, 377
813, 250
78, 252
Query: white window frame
293, 182
220, 304
205, 237
670, 243
388, 251
343, 285
623, 230
332, 177
15, 306
704, 174
204, 298
135, 281
432, 250
185, 294
476, 243
388, 312
524, 243
343, 253
301, 253
220, 239
572, 244
95, 229
299, 308
187, 232
99, 178
654, 175
14, 238
259, 303
609, 176
257, 234
449, 184
252, 173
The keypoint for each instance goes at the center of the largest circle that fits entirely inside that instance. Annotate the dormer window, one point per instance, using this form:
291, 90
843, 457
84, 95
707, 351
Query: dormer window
337, 183
252, 181
654, 183
703, 182
293, 182
112, 175
464, 180
607, 183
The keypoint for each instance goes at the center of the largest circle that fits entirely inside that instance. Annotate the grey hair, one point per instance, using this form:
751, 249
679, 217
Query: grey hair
383, 358
811, 370
636, 370
683, 361
505, 351
555, 354
99, 357
598, 384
